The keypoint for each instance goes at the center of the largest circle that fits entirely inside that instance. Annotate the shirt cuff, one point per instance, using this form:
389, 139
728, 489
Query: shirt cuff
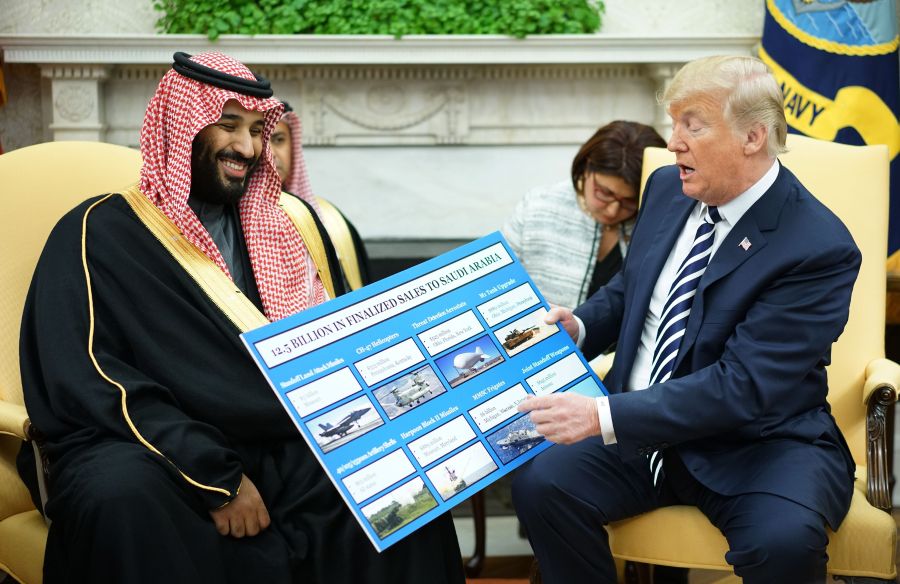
606, 424
581, 332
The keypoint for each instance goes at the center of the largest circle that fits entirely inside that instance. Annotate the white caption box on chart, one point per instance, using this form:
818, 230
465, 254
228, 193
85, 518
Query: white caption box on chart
557, 376
498, 409
378, 476
445, 439
385, 364
450, 333
323, 392
511, 303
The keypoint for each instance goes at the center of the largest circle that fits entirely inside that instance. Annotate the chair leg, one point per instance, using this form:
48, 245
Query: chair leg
534, 575
476, 562
636, 573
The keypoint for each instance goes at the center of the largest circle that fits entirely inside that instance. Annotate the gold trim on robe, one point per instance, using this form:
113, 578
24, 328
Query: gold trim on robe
239, 309
90, 344
302, 219
337, 229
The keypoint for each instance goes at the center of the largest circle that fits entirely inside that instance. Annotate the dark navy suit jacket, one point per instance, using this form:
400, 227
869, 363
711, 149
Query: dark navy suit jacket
745, 407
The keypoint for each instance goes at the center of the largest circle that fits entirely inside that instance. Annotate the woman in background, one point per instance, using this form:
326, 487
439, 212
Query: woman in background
572, 237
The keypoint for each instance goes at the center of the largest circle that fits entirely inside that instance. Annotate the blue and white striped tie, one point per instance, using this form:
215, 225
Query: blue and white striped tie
673, 321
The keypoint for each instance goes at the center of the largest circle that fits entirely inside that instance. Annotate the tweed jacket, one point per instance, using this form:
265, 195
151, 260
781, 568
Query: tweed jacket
557, 242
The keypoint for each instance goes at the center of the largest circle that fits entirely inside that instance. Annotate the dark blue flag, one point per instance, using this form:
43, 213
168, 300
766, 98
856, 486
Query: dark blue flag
837, 64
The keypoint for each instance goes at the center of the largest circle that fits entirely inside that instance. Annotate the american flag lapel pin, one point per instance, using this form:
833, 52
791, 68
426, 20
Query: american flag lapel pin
745, 244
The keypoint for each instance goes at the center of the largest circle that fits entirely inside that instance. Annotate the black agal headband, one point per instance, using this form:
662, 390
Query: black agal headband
259, 88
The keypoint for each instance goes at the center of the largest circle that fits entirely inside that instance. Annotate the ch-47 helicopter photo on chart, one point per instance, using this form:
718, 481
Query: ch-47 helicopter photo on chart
409, 391
344, 423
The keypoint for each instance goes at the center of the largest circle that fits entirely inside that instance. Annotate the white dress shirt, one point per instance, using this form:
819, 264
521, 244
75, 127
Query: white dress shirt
731, 212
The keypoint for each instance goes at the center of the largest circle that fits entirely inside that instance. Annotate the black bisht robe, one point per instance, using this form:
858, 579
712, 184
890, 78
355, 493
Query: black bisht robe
152, 408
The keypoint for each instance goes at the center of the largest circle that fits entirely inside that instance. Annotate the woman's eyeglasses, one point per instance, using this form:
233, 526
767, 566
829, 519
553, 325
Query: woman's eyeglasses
603, 195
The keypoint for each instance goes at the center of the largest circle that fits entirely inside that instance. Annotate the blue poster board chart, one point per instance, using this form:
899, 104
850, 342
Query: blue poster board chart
406, 390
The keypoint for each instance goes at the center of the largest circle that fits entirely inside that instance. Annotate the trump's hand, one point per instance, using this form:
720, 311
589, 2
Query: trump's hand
563, 418
564, 317
245, 515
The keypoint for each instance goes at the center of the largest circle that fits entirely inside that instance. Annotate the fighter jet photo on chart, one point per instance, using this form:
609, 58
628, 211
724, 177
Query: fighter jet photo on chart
344, 423
469, 360
409, 391
344, 426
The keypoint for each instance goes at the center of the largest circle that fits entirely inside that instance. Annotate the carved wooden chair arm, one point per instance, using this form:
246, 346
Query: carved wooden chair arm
879, 396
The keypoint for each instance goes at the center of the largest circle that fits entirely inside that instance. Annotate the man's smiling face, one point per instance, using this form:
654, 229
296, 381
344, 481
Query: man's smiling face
225, 154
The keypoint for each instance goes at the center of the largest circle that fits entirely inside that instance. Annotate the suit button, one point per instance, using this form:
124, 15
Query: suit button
664, 445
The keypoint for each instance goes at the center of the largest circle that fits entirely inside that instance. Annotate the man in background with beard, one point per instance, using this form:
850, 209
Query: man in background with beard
170, 460
287, 152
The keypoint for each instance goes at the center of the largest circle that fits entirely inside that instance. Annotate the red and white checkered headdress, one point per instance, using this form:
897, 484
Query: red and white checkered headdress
180, 109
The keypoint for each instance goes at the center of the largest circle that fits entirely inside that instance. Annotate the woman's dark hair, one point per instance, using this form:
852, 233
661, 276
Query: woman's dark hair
616, 149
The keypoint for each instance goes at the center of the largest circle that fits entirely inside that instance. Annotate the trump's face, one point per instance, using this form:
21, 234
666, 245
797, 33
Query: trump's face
709, 153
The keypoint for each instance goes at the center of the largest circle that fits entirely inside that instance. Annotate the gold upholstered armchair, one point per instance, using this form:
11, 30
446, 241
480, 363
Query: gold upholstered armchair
38, 184
853, 182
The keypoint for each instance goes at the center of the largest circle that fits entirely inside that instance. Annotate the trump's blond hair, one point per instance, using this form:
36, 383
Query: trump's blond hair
746, 87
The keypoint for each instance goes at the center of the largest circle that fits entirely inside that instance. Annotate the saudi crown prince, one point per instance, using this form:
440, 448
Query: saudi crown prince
170, 460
